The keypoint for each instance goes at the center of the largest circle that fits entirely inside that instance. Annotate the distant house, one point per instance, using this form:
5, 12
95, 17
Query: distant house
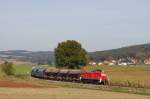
126, 61
122, 64
147, 61
92, 63
100, 63
106, 62
111, 64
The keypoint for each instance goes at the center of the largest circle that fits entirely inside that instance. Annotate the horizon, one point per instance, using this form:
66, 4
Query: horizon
98, 25
85, 49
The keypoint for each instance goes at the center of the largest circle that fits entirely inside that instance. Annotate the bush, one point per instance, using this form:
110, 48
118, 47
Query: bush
7, 68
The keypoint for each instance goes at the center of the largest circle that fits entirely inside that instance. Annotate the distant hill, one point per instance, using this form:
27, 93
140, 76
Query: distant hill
47, 57
140, 51
39, 57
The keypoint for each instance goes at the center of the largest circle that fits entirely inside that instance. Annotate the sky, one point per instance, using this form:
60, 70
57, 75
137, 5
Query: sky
39, 25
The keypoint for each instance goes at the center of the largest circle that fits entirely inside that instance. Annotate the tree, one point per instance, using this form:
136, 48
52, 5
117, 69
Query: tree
7, 68
70, 54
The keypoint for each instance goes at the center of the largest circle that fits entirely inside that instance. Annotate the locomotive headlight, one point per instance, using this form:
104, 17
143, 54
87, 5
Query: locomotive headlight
100, 80
80, 78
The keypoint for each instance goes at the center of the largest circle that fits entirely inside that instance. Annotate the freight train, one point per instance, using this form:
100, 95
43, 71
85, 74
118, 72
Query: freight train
96, 76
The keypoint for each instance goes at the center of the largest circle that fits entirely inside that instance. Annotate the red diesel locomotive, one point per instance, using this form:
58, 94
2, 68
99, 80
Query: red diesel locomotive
96, 76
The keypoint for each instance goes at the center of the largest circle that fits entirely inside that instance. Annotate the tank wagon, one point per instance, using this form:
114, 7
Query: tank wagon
97, 76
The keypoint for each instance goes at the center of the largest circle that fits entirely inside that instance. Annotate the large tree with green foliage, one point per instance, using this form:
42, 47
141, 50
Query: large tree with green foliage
70, 54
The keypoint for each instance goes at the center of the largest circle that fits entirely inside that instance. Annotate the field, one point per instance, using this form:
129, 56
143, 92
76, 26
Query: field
19, 69
34, 92
123, 81
130, 76
126, 76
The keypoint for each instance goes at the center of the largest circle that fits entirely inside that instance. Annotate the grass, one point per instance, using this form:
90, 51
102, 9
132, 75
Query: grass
127, 76
63, 93
22, 69
128, 79
57, 84
19, 70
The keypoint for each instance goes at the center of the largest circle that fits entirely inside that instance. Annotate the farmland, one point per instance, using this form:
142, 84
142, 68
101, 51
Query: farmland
63, 93
125, 76
126, 79
40, 89
19, 69
132, 76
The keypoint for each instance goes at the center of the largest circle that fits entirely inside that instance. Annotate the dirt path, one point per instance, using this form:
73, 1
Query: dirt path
11, 84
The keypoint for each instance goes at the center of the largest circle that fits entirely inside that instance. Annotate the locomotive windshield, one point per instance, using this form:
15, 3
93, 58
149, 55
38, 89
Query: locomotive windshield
97, 70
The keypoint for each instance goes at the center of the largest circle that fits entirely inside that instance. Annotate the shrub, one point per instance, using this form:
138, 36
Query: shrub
7, 68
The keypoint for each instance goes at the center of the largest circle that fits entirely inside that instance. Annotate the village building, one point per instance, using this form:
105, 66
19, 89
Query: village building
100, 63
147, 61
93, 63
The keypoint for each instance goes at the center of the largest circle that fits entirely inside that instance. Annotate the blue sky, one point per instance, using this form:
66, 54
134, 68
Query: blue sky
97, 24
